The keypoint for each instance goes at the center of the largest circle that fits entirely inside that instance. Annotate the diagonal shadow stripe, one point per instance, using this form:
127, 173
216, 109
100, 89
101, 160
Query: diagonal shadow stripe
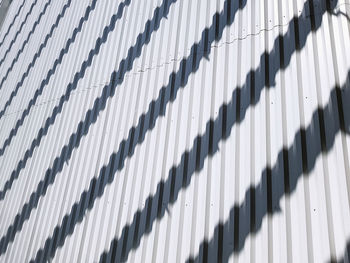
196, 153
65, 97
127, 146
137, 134
117, 77
346, 258
89, 196
321, 117
47, 37
20, 29
50, 73
12, 23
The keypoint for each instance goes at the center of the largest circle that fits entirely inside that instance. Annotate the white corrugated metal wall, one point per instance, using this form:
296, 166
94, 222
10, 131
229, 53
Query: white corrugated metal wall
175, 130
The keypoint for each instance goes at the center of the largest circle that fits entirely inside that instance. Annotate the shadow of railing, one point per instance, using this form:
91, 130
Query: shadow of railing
37, 54
136, 135
15, 173
20, 29
346, 257
12, 23
127, 147
321, 117
52, 70
152, 25
224, 121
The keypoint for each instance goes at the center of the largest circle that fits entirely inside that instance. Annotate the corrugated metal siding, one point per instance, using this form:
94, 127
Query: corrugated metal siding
4, 5
174, 130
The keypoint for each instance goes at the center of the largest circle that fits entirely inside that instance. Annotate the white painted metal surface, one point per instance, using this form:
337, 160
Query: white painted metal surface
175, 130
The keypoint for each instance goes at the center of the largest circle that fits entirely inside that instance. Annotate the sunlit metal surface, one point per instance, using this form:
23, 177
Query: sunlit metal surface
175, 131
